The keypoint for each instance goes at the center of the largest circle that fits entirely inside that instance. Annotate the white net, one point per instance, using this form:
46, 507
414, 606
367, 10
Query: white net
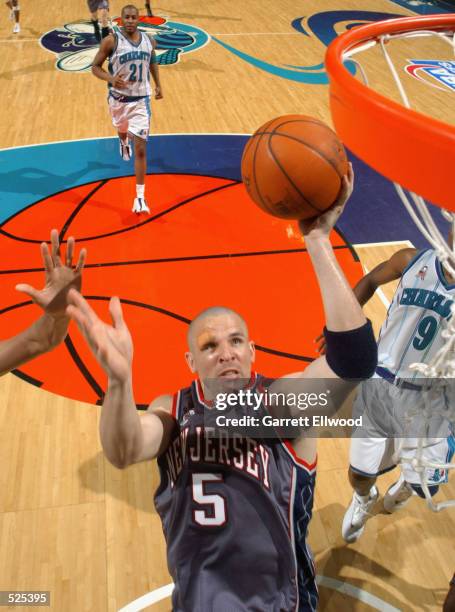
442, 367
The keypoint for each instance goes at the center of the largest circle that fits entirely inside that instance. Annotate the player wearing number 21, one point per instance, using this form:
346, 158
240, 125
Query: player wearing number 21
235, 510
412, 333
132, 58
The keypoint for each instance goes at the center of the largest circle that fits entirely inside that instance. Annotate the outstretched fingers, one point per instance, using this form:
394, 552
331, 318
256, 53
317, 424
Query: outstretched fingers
81, 261
47, 259
28, 290
116, 313
69, 252
55, 248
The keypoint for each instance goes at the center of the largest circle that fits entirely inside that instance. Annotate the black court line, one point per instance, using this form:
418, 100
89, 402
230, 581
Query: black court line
79, 208
112, 178
27, 378
150, 219
82, 367
186, 258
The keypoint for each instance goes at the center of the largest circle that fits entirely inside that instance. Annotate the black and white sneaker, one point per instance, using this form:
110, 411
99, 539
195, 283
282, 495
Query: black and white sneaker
140, 206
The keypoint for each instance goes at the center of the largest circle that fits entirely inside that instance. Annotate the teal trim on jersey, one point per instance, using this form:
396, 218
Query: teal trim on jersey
442, 277
414, 260
130, 41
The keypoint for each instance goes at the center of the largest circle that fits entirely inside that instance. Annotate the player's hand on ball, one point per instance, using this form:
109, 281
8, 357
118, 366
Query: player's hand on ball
111, 344
158, 93
323, 224
119, 83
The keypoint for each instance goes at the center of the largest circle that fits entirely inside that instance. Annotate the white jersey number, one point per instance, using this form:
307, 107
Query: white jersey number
215, 514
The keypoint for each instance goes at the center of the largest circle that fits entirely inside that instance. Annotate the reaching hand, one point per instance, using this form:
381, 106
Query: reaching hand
324, 224
59, 278
111, 344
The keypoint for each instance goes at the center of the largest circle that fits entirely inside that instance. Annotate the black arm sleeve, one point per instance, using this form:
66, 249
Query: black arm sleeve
352, 354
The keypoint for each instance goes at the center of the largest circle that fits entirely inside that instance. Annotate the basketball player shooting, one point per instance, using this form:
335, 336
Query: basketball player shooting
230, 505
132, 58
412, 332
50, 329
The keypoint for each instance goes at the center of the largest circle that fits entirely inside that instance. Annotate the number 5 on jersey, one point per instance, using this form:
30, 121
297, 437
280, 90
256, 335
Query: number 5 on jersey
215, 512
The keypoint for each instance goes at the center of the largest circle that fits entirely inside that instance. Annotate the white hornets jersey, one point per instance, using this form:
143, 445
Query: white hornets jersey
419, 312
131, 62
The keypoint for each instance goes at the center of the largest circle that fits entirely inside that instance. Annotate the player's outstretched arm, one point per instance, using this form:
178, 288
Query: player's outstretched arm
351, 347
383, 273
126, 438
51, 329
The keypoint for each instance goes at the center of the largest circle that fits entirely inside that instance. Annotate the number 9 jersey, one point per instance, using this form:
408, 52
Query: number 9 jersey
419, 312
131, 62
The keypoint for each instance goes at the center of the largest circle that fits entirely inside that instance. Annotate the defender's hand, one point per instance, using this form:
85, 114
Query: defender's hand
59, 277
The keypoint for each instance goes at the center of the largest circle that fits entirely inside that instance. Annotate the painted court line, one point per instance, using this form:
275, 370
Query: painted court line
331, 583
17, 40
392, 242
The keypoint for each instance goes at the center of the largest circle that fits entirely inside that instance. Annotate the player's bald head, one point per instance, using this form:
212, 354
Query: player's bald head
202, 319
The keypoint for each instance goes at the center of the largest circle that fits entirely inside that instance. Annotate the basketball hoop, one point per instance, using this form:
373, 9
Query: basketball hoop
415, 151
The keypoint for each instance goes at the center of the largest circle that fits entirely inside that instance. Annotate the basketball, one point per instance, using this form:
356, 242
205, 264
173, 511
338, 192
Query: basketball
292, 167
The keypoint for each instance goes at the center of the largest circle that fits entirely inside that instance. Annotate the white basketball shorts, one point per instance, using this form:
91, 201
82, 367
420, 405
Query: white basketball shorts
390, 436
132, 117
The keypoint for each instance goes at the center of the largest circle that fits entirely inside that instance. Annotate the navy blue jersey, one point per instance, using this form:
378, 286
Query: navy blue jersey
235, 514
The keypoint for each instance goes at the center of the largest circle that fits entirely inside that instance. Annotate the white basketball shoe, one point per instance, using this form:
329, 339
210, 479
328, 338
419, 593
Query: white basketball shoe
357, 515
140, 206
17, 28
397, 495
125, 150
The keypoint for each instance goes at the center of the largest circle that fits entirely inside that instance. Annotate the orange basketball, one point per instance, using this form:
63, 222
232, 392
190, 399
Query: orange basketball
292, 167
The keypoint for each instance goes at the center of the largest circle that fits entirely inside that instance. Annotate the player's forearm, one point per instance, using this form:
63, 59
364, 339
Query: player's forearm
120, 426
100, 73
342, 310
364, 290
42, 336
155, 74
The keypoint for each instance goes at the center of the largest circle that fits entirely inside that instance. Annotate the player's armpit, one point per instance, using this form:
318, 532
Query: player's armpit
157, 427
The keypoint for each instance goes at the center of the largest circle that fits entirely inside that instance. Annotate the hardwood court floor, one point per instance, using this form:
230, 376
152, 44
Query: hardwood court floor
70, 522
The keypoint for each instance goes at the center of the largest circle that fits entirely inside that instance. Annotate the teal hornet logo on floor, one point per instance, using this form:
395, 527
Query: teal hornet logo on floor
76, 46
320, 26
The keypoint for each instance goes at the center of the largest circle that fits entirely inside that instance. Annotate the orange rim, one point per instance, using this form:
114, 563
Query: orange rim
404, 145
